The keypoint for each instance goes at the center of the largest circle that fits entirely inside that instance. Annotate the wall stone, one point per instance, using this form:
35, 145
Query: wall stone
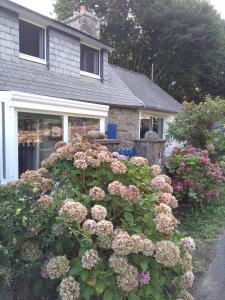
64, 54
9, 36
128, 124
153, 150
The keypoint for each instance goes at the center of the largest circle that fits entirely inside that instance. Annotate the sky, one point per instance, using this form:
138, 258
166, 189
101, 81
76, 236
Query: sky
45, 7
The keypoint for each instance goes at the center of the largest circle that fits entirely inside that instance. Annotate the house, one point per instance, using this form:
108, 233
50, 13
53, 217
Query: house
55, 81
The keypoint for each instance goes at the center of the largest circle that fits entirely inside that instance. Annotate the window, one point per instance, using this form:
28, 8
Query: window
32, 40
82, 126
89, 60
37, 136
153, 124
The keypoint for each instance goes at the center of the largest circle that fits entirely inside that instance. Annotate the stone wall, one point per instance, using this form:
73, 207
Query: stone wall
128, 124
9, 36
153, 150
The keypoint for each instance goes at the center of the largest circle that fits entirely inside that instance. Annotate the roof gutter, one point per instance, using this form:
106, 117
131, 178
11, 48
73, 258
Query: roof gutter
48, 22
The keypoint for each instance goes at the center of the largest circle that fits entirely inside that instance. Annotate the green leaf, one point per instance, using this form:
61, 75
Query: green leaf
129, 217
108, 295
84, 275
133, 296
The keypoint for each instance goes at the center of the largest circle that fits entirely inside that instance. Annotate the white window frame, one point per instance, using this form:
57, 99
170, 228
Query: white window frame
88, 74
34, 58
22, 102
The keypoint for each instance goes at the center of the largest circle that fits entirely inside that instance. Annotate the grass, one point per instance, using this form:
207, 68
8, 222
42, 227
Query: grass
204, 227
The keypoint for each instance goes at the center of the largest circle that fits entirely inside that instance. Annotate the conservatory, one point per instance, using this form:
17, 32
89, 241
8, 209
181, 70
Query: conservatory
31, 125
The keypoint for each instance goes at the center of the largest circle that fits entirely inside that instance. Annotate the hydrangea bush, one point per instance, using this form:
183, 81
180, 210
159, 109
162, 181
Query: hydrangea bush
194, 176
91, 224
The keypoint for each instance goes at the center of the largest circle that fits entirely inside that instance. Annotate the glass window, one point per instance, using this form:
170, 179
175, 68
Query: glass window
32, 39
89, 59
82, 126
37, 136
152, 123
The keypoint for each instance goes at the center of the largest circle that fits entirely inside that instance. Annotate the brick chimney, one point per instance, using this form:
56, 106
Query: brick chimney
84, 21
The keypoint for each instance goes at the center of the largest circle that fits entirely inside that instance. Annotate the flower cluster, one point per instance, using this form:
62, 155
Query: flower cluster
90, 259
118, 167
187, 280
98, 212
45, 200
128, 193
156, 170
74, 212
34, 179
138, 161
188, 244
90, 226
30, 251
167, 253
128, 281
168, 199
104, 228
69, 289
97, 194
164, 221
58, 266
144, 278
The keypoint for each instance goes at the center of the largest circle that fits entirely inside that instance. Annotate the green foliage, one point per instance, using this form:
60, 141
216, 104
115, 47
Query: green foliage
195, 177
194, 125
185, 40
35, 226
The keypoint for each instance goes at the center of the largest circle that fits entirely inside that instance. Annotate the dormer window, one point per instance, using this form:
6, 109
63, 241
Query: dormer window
32, 41
89, 61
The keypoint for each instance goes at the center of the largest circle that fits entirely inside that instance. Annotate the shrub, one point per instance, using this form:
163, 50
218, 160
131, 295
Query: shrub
194, 176
94, 226
216, 146
194, 124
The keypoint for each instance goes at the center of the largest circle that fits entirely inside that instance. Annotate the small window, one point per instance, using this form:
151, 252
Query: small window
153, 124
32, 40
89, 61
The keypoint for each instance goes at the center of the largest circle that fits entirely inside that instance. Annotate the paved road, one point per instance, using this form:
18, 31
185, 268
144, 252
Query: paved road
212, 286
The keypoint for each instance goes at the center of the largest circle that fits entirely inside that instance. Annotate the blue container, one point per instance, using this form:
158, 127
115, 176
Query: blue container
112, 131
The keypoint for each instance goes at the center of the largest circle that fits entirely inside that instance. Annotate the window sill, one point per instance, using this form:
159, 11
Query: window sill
33, 59
83, 73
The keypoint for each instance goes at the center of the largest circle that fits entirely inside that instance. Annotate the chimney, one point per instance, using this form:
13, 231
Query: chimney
84, 21
83, 8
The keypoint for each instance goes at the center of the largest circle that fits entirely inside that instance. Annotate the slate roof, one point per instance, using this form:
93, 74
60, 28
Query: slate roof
36, 79
147, 91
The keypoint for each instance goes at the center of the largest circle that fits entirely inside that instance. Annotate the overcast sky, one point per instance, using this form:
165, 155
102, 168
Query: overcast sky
45, 6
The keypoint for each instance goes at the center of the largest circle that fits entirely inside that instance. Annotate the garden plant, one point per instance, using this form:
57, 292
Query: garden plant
91, 224
194, 176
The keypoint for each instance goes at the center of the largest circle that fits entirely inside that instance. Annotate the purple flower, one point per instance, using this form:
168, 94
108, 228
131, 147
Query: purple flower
144, 278
179, 187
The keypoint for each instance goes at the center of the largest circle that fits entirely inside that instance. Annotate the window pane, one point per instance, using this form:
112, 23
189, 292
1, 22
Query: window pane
37, 136
145, 126
32, 39
82, 126
89, 61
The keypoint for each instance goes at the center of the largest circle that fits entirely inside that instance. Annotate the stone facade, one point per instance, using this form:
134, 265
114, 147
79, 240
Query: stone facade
9, 36
153, 150
127, 121
64, 54
85, 22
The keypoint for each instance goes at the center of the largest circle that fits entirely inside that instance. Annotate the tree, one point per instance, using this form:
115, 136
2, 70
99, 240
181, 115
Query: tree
184, 39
